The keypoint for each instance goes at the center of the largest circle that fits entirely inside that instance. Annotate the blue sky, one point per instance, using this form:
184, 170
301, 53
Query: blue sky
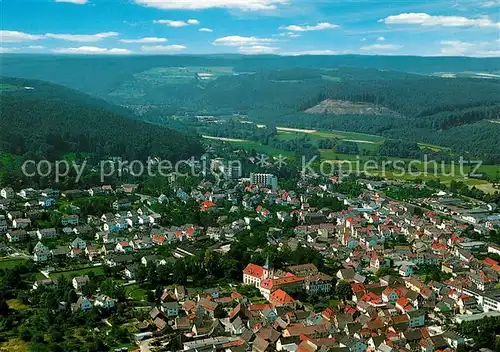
285, 27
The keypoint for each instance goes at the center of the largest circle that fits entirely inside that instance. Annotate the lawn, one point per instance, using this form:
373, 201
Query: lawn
79, 272
136, 292
9, 263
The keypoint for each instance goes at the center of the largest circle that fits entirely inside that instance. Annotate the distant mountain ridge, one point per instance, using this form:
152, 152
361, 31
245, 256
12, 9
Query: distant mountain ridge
101, 75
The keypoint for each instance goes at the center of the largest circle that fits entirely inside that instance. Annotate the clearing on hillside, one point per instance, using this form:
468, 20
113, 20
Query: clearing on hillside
342, 107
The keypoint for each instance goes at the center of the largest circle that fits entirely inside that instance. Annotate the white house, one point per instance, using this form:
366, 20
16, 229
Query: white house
416, 318
49, 233
27, 193
78, 243
7, 193
406, 270
80, 281
41, 253
104, 301
17, 236
21, 223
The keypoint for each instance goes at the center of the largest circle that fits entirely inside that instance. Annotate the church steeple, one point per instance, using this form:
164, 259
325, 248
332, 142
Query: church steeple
268, 269
266, 266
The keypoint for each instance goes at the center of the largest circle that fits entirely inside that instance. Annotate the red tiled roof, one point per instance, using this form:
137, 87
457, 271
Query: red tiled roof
357, 287
253, 307
490, 262
280, 296
403, 302
206, 205
236, 295
158, 238
254, 270
270, 283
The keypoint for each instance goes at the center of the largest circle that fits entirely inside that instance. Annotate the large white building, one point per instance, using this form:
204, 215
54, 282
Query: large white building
264, 180
253, 274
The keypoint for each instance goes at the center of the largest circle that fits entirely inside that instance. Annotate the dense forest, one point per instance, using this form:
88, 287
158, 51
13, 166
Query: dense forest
48, 121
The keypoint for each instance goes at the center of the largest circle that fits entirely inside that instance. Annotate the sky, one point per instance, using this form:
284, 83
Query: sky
282, 27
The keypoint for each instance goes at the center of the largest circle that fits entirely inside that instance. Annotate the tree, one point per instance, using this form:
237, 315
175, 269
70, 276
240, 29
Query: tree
179, 272
71, 296
4, 307
343, 290
111, 289
210, 262
163, 273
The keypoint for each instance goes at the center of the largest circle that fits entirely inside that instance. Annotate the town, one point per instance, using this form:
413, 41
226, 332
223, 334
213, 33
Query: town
240, 264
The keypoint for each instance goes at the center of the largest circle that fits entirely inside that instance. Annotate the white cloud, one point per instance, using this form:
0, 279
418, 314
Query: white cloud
236, 40
381, 47
92, 50
257, 49
490, 4
313, 52
381, 39
144, 40
83, 38
424, 19
36, 47
478, 49
245, 5
289, 34
319, 27
15, 36
178, 24
208, 30
162, 48
4, 50
77, 2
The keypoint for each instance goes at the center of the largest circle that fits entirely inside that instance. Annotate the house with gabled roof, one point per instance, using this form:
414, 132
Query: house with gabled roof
281, 298
80, 281
49, 233
83, 303
16, 235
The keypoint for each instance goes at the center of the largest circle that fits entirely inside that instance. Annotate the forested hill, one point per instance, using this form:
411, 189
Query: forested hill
43, 120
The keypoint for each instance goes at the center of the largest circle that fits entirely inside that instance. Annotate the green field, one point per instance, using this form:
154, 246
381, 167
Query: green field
260, 148
142, 83
136, 292
80, 272
175, 75
368, 142
9, 263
